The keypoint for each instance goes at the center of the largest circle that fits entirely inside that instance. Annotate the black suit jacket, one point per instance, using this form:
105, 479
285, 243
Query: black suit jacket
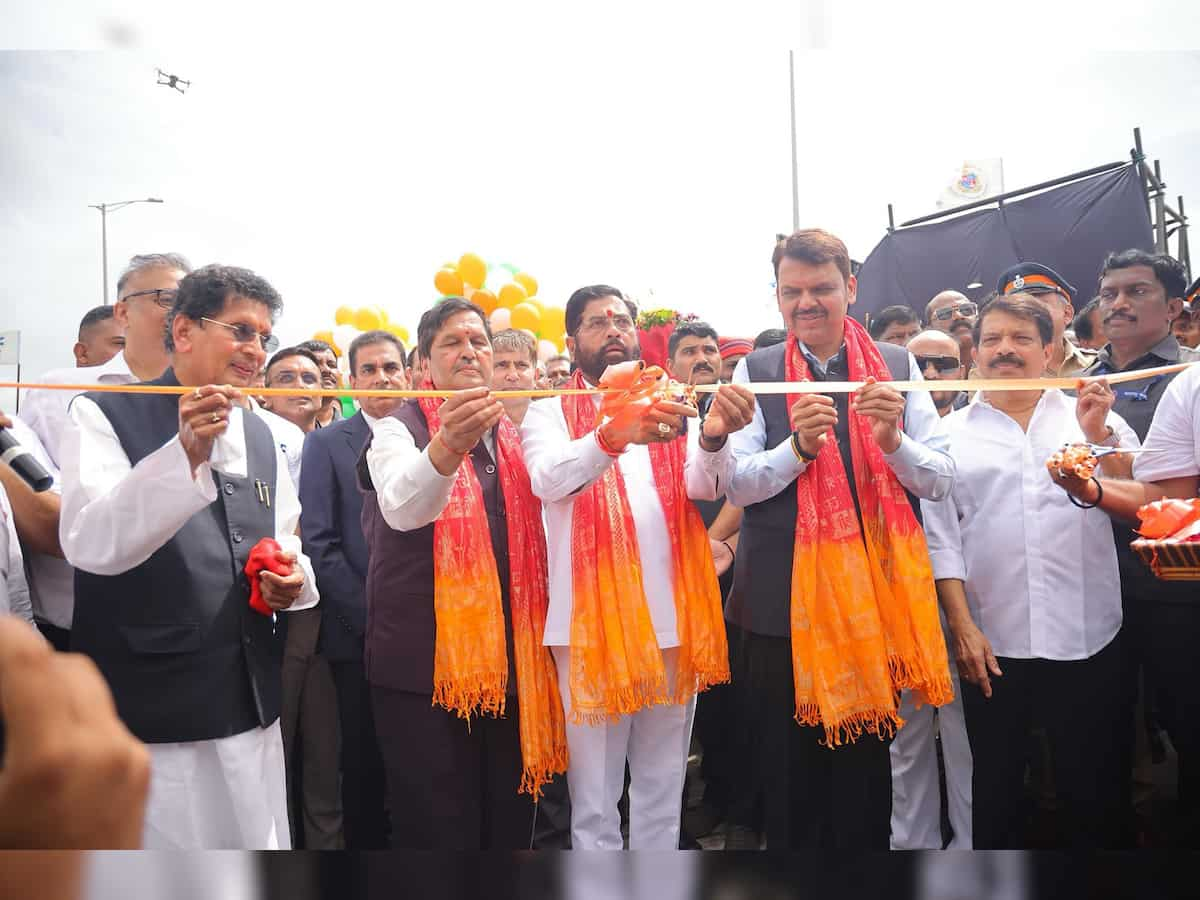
331, 530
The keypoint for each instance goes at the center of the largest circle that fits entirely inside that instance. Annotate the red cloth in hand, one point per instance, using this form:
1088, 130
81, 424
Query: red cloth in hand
265, 555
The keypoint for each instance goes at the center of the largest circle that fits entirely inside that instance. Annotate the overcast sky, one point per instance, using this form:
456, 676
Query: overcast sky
646, 145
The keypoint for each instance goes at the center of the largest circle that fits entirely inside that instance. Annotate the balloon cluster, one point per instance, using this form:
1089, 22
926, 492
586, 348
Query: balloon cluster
350, 322
508, 296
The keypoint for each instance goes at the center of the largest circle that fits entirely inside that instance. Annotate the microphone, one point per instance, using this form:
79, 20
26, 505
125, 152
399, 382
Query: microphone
24, 463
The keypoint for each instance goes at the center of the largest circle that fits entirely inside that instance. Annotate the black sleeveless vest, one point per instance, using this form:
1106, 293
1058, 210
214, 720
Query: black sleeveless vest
185, 656
401, 625
761, 597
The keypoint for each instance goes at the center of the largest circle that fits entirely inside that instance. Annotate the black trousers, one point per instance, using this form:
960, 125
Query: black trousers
1173, 664
59, 638
451, 787
1081, 705
814, 797
364, 788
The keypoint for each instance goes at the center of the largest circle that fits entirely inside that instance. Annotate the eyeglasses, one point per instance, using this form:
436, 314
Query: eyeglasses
308, 379
943, 364
600, 324
965, 310
244, 334
163, 297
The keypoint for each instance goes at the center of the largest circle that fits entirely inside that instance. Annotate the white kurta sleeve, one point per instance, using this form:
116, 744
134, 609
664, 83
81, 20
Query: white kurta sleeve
114, 515
707, 473
558, 466
410, 491
921, 462
759, 472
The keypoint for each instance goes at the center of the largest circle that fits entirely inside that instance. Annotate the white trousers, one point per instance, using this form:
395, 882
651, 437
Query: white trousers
916, 798
655, 741
225, 794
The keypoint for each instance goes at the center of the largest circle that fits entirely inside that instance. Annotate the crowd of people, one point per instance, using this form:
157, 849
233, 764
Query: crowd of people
492, 622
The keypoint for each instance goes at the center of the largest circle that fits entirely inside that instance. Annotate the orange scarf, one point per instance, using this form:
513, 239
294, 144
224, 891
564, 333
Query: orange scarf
470, 662
616, 664
864, 616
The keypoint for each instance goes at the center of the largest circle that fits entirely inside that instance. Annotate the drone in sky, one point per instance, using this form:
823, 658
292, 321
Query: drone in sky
173, 81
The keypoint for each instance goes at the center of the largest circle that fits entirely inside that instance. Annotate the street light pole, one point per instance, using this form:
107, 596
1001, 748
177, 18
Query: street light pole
105, 209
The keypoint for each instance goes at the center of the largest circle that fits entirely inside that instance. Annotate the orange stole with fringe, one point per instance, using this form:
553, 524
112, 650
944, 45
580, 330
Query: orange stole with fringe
616, 664
864, 619
470, 662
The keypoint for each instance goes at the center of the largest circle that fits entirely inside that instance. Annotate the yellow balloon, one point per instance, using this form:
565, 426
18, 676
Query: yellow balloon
473, 269
534, 301
526, 315
326, 336
554, 322
527, 281
512, 294
344, 316
448, 283
367, 318
486, 301
399, 331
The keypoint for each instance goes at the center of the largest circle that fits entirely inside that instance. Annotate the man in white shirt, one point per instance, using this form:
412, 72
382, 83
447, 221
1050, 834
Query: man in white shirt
1030, 588
298, 369
164, 498
563, 467
145, 292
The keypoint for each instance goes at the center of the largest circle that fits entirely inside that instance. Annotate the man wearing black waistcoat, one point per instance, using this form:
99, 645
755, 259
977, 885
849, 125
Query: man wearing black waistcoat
331, 523
450, 786
164, 497
814, 796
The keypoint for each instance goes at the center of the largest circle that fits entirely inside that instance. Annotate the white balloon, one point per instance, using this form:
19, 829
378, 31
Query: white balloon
546, 349
500, 319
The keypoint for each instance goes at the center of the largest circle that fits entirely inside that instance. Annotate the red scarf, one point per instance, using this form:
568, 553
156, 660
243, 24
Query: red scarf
470, 664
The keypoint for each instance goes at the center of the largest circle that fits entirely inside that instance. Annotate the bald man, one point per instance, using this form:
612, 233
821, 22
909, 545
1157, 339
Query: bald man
937, 355
953, 313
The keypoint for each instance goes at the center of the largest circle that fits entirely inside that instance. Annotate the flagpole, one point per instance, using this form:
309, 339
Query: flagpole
792, 110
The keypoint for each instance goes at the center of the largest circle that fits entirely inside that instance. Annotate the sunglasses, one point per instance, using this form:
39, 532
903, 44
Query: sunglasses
164, 298
943, 364
963, 309
244, 334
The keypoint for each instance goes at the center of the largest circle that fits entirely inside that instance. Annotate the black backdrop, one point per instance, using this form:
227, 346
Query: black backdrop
1069, 228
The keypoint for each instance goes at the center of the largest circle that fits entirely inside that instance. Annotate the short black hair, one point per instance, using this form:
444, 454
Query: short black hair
1082, 324
1169, 271
144, 261
315, 346
770, 337
435, 317
690, 329
412, 356
378, 336
579, 300
892, 315
1020, 306
94, 316
205, 292
288, 353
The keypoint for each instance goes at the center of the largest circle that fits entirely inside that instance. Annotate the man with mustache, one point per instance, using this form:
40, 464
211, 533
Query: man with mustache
953, 313
1036, 630
1140, 294
937, 357
164, 497
558, 370
1056, 295
331, 379
635, 610
829, 639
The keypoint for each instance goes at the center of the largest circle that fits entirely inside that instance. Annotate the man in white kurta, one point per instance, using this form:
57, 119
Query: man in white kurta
227, 792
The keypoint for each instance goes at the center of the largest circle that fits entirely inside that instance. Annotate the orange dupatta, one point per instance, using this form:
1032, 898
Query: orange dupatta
864, 617
616, 664
470, 662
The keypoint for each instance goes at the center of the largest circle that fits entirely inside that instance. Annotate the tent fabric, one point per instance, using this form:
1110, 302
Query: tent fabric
1069, 228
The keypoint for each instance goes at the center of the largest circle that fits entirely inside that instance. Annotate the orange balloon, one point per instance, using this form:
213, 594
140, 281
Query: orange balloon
512, 294
448, 282
526, 316
473, 269
485, 300
527, 281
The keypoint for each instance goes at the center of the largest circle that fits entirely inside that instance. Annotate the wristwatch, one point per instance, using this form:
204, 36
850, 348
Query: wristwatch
1113, 440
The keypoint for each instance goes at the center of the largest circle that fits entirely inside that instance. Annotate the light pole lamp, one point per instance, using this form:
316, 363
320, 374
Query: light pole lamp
105, 209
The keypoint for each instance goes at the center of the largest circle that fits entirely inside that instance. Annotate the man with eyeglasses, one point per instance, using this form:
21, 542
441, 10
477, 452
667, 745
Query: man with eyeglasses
145, 292
1057, 296
331, 379
164, 498
635, 611
936, 353
297, 369
1140, 295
